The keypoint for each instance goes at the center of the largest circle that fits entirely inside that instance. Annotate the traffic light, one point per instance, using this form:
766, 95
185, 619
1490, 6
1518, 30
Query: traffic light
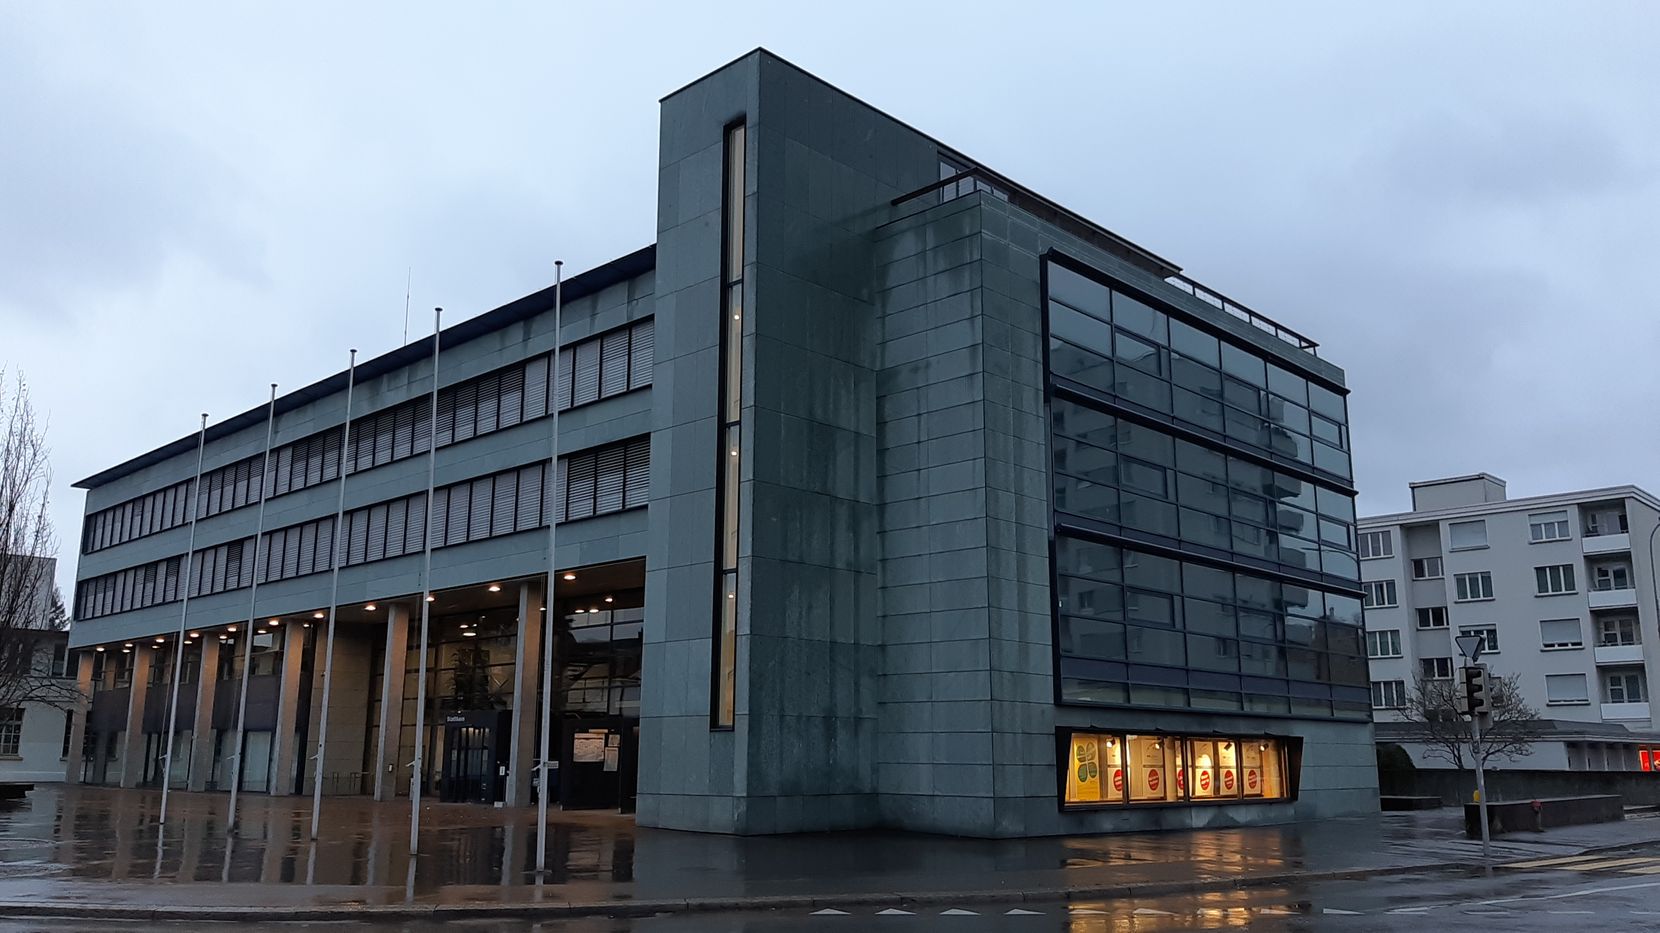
1478, 690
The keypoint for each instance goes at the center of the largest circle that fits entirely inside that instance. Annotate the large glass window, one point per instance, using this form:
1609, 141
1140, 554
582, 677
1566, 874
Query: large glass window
1119, 472
1174, 632
1117, 769
1108, 340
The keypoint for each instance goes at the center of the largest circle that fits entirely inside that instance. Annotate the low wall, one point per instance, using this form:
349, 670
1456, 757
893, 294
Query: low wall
1637, 788
1519, 815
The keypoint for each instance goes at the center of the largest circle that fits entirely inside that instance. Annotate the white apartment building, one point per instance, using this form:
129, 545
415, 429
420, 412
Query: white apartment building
1562, 589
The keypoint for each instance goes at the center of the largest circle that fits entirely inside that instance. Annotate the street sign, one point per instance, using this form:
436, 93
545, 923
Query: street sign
1470, 646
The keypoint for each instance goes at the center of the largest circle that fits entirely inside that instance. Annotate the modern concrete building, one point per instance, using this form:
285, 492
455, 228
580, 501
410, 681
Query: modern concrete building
889, 493
1562, 589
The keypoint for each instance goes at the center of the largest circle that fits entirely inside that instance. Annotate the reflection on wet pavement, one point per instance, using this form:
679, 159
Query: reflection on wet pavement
68, 843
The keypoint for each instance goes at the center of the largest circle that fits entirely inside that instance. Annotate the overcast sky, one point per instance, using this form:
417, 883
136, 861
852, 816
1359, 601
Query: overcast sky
1458, 201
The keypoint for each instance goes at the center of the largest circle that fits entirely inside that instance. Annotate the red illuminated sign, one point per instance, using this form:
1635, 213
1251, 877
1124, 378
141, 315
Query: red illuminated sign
1227, 780
1643, 759
1204, 781
1118, 779
1153, 779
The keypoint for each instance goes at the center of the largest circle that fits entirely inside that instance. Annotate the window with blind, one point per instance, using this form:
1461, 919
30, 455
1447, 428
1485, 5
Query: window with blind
604, 480
603, 366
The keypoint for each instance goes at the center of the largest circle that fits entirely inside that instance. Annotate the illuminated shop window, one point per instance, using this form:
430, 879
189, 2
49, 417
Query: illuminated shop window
1143, 769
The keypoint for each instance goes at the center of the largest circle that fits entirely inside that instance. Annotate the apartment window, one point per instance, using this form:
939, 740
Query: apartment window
729, 449
1376, 544
1616, 577
1388, 694
11, 731
1432, 617
1623, 687
60, 660
1436, 668
1384, 644
1560, 633
68, 730
1613, 633
1566, 688
1547, 526
1557, 578
1118, 769
1463, 536
1473, 586
1426, 568
1380, 594
1489, 636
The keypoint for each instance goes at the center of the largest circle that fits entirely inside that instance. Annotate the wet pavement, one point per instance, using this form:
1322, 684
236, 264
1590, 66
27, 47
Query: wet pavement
68, 845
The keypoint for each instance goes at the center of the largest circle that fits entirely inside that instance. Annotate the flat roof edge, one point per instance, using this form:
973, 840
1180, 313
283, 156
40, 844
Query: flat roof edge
577, 286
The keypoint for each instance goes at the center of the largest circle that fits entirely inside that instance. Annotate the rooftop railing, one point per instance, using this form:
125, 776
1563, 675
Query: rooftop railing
978, 179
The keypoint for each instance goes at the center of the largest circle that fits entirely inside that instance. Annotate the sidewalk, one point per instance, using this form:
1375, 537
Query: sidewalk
79, 851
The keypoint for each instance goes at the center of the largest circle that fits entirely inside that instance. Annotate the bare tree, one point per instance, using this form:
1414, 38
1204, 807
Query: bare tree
27, 595
1433, 708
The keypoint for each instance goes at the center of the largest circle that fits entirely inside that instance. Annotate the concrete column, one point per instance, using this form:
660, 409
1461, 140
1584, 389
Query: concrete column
81, 709
288, 703
387, 765
201, 730
527, 680
132, 744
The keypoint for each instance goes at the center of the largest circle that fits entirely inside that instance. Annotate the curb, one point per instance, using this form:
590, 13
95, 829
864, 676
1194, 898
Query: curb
560, 909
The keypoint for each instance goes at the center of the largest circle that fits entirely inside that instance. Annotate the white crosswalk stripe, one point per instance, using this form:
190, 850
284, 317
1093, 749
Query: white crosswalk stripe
894, 912
1019, 912
958, 912
829, 912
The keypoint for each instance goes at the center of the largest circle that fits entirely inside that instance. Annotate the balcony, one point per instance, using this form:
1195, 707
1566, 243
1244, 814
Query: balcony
1619, 654
1624, 711
1607, 544
1614, 599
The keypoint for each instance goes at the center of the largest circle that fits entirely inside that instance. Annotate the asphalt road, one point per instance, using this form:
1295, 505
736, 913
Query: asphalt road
1604, 893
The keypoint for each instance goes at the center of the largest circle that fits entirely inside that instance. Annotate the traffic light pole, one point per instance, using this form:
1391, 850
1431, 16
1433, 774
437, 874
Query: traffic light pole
1481, 785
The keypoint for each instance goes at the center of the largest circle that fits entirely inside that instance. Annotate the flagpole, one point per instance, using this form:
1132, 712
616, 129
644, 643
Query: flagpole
551, 485
248, 633
426, 604
184, 608
335, 561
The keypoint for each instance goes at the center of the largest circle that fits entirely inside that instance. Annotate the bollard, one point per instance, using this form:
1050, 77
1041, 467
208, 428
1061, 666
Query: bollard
1538, 817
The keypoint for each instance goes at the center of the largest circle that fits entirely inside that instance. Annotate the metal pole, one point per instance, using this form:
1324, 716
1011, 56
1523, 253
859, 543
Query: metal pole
248, 633
426, 606
1481, 785
335, 561
184, 607
550, 483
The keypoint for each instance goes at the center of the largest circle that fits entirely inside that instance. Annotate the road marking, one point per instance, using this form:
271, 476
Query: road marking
894, 912
1089, 910
1611, 863
1017, 912
1409, 910
829, 912
958, 912
1549, 862
1580, 893
1573, 912
1276, 912
1150, 912
1648, 870
1340, 913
